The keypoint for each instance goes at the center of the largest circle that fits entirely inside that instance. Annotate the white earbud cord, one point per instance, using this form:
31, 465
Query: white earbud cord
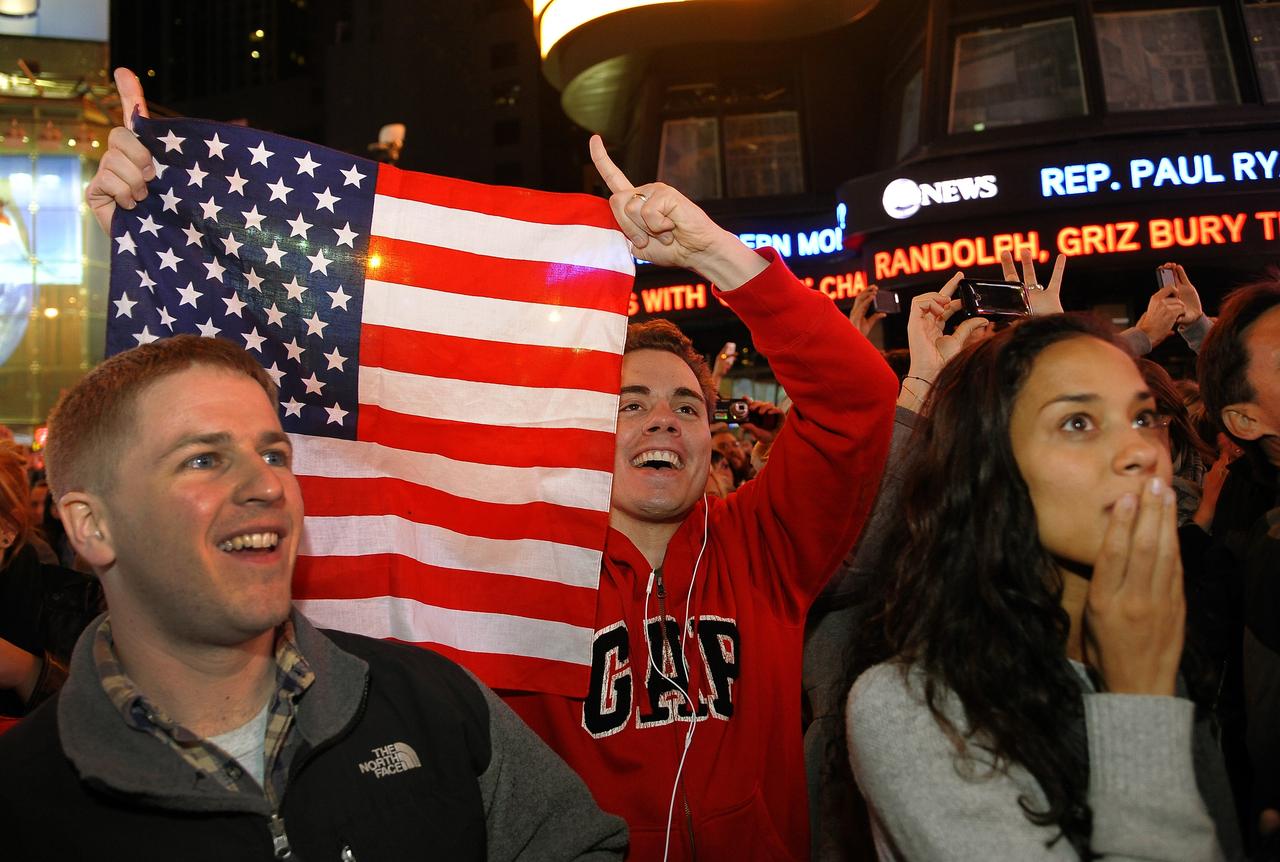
693, 707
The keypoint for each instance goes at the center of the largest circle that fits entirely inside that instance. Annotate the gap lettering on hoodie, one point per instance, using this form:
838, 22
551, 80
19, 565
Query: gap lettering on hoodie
612, 700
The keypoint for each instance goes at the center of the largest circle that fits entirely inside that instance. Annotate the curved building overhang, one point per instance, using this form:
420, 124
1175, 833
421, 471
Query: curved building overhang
596, 51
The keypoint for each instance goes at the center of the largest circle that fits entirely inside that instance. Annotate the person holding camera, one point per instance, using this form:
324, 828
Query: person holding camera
1020, 694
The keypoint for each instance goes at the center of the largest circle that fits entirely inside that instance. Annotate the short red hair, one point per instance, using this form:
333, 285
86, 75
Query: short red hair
90, 422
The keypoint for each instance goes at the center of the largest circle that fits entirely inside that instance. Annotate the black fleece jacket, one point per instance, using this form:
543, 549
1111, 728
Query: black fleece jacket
400, 755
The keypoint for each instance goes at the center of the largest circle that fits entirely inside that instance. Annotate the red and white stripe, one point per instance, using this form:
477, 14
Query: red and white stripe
470, 513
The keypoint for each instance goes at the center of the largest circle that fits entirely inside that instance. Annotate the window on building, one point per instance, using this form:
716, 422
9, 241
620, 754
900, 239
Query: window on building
909, 113
1016, 75
52, 264
1263, 23
689, 156
694, 98
736, 135
762, 154
1169, 58
44, 191
506, 133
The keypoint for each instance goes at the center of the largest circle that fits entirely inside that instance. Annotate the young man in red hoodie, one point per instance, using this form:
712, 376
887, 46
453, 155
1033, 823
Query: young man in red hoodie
690, 728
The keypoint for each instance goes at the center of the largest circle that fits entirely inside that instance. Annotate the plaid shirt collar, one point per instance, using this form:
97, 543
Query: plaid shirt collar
293, 677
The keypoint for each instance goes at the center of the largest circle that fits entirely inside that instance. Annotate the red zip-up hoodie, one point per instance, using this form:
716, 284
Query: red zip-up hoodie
770, 547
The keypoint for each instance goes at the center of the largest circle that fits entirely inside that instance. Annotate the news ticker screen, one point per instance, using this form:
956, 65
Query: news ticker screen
1123, 204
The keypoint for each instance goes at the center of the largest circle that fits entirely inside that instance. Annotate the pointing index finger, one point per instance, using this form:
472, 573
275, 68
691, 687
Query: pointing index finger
612, 175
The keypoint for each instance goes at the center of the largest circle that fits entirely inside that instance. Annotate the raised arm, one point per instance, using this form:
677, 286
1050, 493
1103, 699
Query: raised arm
1194, 324
808, 504
931, 348
928, 344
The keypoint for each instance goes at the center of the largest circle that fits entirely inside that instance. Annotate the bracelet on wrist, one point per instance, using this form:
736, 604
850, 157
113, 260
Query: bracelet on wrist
917, 396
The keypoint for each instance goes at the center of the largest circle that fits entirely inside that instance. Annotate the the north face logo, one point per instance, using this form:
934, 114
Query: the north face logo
390, 759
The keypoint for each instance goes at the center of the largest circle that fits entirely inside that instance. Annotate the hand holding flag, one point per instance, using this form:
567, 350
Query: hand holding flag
126, 167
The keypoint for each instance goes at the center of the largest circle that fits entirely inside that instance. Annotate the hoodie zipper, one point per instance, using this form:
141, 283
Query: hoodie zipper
279, 837
684, 794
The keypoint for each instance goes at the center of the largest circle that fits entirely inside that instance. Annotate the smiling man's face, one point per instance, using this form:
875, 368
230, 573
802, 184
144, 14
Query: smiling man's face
204, 515
664, 440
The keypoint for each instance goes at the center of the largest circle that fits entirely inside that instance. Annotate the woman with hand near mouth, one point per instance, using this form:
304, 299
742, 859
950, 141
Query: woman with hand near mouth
1026, 703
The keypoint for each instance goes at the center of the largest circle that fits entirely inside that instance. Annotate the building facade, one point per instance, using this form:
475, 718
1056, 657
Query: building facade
55, 112
893, 142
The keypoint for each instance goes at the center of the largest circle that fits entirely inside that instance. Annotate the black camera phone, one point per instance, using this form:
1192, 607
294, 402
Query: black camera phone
736, 411
886, 301
999, 300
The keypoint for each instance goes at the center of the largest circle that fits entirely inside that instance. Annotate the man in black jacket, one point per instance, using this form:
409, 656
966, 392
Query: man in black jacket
1239, 369
202, 718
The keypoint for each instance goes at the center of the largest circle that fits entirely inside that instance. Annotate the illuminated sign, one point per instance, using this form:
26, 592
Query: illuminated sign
807, 238
1246, 166
944, 255
1148, 199
697, 296
805, 242
903, 198
1123, 171
814, 243
1164, 235
1161, 235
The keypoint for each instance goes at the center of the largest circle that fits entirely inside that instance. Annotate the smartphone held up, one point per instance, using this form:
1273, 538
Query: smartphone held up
886, 302
998, 301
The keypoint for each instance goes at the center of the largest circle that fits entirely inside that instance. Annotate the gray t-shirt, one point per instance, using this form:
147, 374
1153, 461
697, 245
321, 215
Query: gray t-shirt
248, 744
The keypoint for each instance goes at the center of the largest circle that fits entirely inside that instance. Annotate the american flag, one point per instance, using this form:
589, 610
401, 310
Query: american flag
448, 357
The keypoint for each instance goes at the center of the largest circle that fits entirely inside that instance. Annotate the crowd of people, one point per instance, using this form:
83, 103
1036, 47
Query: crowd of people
1013, 600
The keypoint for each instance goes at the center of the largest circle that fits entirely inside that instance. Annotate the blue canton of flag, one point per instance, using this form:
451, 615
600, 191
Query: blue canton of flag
258, 239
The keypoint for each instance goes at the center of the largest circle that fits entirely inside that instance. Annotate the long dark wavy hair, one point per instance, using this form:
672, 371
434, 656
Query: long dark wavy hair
972, 598
1184, 439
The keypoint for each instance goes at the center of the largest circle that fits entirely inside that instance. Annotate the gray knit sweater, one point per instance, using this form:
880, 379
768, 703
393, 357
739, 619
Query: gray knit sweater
1142, 781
